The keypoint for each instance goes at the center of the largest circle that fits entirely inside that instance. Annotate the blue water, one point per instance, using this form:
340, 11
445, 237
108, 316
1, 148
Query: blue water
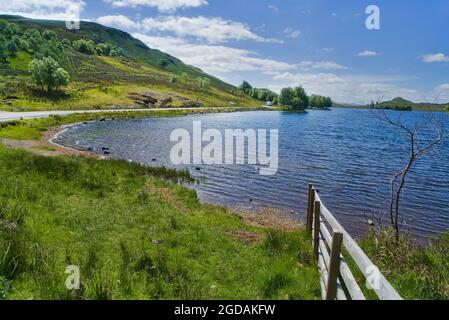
349, 155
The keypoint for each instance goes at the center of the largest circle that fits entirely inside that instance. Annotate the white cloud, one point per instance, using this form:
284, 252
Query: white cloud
437, 57
326, 50
214, 58
119, 21
291, 33
44, 9
441, 93
327, 65
345, 88
443, 87
161, 5
368, 53
274, 8
213, 30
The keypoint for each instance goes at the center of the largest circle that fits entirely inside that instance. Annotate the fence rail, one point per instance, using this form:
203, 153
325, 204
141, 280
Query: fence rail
329, 244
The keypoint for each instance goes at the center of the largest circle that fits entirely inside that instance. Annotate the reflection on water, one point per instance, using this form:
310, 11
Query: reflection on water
347, 153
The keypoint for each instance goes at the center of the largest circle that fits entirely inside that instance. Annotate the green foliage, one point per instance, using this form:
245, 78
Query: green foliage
264, 95
185, 77
10, 30
107, 49
164, 63
47, 73
416, 271
52, 49
34, 39
3, 56
49, 35
203, 82
320, 102
173, 78
245, 87
84, 46
12, 48
296, 98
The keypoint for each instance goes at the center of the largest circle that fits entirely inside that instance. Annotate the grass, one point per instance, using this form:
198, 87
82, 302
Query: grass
20, 61
134, 235
415, 271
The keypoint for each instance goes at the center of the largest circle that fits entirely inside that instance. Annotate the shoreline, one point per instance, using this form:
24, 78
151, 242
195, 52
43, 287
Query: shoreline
267, 217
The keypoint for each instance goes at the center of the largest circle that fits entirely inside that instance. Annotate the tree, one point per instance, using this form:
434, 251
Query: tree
173, 78
46, 73
12, 47
49, 35
3, 57
23, 44
62, 78
10, 30
185, 77
163, 63
245, 87
53, 49
301, 94
66, 42
203, 82
286, 96
34, 38
422, 137
84, 46
315, 101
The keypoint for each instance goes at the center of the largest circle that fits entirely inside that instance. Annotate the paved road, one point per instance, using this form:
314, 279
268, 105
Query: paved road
8, 116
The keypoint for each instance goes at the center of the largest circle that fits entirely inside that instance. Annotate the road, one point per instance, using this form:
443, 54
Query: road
9, 116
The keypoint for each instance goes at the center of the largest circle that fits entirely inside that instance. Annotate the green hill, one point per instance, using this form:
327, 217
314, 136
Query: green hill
402, 104
132, 78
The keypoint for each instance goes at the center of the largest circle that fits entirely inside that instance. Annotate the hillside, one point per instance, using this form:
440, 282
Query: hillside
402, 104
105, 80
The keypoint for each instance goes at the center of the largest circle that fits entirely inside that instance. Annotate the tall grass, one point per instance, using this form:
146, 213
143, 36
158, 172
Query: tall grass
417, 271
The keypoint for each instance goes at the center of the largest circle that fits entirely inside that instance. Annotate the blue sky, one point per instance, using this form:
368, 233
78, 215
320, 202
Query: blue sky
322, 45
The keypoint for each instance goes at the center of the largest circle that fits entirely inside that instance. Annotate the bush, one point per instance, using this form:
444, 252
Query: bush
84, 46
47, 73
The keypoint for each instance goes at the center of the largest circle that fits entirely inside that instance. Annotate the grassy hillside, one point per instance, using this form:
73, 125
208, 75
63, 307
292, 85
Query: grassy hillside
102, 81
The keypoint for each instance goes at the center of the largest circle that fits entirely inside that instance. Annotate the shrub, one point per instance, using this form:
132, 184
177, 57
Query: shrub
47, 73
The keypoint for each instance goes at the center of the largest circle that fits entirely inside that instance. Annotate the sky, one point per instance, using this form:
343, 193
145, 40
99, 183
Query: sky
322, 45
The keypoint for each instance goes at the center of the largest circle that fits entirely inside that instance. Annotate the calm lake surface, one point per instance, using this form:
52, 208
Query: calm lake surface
347, 153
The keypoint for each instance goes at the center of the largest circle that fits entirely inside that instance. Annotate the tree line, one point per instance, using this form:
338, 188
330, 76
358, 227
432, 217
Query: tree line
293, 98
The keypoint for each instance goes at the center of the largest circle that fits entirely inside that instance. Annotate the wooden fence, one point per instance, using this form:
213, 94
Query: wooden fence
337, 280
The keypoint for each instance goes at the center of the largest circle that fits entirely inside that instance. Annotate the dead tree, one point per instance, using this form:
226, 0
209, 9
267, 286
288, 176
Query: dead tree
418, 146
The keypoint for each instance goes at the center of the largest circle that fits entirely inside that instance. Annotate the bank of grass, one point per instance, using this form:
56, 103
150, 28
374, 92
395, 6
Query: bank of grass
415, 270
135, 235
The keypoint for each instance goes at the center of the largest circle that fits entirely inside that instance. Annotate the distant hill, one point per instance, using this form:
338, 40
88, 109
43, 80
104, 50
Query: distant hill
399, 104
402, 104
101, 80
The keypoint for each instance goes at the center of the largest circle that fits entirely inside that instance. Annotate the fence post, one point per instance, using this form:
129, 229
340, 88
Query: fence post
316, 228
310, 207
334, 266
